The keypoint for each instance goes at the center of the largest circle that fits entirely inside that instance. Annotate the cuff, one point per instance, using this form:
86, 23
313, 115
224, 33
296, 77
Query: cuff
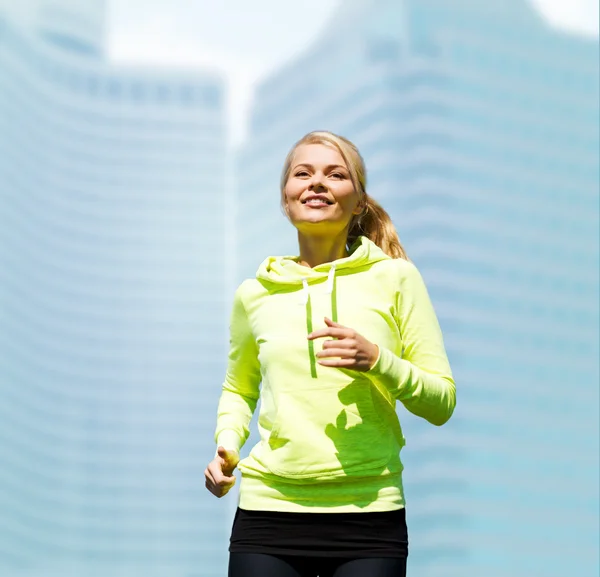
230, 440
389, 370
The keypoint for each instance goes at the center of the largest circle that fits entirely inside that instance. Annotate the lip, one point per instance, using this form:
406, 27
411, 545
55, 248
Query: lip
324, 200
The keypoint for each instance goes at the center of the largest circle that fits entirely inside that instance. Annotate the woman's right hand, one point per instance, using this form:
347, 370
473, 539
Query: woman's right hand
219, 473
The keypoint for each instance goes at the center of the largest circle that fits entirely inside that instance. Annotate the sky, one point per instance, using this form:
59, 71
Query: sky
247, 40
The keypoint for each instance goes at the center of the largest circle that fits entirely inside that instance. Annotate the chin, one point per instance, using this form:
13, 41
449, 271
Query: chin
318, 227
315, 220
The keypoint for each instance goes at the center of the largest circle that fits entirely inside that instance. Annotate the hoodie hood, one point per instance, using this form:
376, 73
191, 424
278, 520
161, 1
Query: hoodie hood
279, 272
286, 270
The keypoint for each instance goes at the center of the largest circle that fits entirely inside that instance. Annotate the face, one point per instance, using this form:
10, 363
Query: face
319, 195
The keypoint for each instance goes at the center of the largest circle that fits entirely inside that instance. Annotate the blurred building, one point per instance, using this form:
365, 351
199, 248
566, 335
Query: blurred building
112, 314
479, 126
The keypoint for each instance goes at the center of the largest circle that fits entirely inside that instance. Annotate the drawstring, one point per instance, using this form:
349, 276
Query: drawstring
330, 279
309, 328
304, 295
305, 300
331, 289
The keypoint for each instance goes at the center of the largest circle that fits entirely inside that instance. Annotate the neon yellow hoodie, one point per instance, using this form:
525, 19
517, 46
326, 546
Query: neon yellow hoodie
330, 438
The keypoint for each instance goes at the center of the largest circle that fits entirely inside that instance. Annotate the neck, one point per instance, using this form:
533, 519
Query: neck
318, 250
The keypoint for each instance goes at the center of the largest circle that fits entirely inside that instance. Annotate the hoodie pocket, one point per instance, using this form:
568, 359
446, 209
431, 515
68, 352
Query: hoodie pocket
330, 433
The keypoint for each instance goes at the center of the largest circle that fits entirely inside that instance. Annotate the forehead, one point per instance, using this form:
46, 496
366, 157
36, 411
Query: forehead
317, 154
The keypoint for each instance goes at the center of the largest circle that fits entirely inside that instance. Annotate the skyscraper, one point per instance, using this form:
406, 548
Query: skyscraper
479, 126
112, 312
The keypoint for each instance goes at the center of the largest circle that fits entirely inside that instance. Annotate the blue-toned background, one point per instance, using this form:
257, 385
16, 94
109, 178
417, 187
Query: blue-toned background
140, 150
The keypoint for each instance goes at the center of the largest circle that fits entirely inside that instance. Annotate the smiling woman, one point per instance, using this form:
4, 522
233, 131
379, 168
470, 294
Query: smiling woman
319, 192
338, 178
336, 336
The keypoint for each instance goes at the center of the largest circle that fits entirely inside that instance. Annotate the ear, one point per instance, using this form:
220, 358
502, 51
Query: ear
360, 207
363, 204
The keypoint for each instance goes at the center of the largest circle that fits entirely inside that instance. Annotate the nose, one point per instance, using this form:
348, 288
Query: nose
316, 183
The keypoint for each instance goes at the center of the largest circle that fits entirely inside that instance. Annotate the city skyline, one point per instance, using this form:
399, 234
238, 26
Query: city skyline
462, 117
237, 38
113, 338
127, 219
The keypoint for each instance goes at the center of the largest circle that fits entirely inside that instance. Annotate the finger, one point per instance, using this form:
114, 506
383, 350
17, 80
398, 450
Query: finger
223, 492
223, 481
208, 475
339, 363
217, 491
218, 476
337, 352
212, 488
338, 333
220, 488
215, 473
339, 344
331, 323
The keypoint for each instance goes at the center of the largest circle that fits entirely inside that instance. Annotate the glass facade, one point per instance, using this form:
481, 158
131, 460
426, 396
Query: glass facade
112, 313
479, 127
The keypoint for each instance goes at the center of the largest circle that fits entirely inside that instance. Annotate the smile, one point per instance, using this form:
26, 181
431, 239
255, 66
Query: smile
317, 201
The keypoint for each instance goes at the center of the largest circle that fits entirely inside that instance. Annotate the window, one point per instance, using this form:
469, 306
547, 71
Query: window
138, 91
383, 51
114, 88
92, 85
188, 94
162, 92
211, 96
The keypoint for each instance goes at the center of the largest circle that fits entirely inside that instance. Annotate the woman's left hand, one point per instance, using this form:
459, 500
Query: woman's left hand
347, 349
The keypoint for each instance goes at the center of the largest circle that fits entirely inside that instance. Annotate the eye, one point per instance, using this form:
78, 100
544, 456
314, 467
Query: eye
337, 175
301, 173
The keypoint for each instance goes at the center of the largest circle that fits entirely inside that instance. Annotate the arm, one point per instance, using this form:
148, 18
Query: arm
422, 379
241, 387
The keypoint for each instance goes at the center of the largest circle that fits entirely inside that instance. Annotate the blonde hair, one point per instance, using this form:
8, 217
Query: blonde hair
373, 222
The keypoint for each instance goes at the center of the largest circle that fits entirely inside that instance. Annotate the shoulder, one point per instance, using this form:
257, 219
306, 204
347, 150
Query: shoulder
249, 289
400, 270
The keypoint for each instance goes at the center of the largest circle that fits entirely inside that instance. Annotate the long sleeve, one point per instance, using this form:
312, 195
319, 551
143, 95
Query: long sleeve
241, 386
422, 379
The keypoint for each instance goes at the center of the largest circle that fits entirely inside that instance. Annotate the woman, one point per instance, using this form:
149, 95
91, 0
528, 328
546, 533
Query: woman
336, 336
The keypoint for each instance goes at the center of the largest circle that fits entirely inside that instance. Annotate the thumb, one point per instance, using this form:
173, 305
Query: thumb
330, 323
229, 456
224, 453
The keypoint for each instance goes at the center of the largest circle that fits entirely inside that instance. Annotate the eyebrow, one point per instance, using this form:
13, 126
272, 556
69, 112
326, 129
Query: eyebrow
328, 167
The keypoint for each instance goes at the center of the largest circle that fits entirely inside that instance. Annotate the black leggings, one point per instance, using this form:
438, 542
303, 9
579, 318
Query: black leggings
260, 565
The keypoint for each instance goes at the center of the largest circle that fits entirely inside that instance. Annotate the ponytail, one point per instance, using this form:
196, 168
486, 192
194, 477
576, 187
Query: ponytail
375, 223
